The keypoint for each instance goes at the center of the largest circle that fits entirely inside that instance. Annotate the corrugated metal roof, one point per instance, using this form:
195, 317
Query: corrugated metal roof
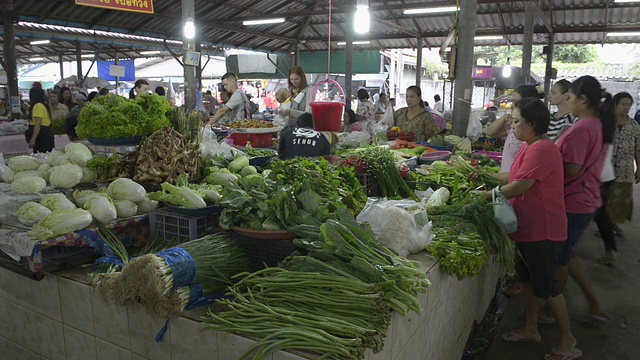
573, 21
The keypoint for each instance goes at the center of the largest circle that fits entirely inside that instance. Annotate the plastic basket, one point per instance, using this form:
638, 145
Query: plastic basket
327, 116
439, 148
179, 228
257, 140
430, 158
263, 253
369, 183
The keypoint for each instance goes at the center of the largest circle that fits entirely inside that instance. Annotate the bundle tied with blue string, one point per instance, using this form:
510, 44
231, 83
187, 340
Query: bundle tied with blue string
193, 269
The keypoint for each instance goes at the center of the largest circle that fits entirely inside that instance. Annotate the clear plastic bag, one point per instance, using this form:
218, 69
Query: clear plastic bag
474, 129
387, 118
3, 166
400, 225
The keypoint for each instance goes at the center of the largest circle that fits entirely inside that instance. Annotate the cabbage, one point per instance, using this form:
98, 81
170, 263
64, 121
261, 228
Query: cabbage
78, 153
65, 176
238, 164
28, 185
146, 206
8, 175
101, 208
127, 189
88, 175
125, 208
61, 222
44, 167
31, 212
57, 158
57, 201
22, 163
38, 173
81, 196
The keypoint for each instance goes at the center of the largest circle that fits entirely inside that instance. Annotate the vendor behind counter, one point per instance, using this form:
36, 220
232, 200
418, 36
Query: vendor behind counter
304, 141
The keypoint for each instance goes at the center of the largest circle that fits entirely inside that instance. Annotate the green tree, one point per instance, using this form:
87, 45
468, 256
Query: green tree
575, 54
634, 68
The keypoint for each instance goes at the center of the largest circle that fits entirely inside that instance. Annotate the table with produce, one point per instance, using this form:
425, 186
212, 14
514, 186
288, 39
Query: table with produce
322, 257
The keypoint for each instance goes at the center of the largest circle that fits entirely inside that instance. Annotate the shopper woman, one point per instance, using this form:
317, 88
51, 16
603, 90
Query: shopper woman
39, 135
365, 112
535, 190
584, 147
626, 149
300, 95
562, 119
58, 109
66, 98
501, 128
141, 87
414, 118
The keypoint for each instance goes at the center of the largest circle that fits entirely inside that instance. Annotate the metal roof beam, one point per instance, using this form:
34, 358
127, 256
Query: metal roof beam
542, 17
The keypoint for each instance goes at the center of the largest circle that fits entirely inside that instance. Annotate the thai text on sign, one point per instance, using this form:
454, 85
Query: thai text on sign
141, 6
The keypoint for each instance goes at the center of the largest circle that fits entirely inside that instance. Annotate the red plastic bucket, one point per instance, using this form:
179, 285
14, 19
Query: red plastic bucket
327, 116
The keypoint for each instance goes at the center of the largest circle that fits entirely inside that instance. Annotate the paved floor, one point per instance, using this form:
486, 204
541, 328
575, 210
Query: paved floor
619, 289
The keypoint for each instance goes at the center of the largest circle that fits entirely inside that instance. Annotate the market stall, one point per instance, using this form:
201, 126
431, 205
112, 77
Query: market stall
365, 254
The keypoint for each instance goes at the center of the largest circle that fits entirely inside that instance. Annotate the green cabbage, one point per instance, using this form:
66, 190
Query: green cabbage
57, 158
179, 196
44, 167
31, 213
88, 175
8, 175
61, 222
78, 153
238, 164
101, 208
125, 208
248, 170
126, 189
57, 201
39, 173
23, 163
28, 185
438, 198
146, 206
65, 176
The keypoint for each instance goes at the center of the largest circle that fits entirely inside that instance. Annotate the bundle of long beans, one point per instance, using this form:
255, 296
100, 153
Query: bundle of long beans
353, 249
332, 315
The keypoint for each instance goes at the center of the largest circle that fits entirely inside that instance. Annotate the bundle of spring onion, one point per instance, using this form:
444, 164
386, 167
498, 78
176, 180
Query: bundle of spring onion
483, 176
212, 259
352, 248
184, 298
334, 316
382, 164
461, 254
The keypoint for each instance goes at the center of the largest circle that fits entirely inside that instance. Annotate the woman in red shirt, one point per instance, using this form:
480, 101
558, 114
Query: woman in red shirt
536, 192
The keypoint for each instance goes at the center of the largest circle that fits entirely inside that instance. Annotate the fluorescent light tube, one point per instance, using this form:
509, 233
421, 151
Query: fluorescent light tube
150, 52
40, 42
36, 59
355, 42
433, 10
88, 55
623, 34
488, 37
264, 21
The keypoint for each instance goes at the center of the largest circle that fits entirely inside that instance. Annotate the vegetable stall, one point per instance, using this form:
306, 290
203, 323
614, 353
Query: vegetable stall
368, 251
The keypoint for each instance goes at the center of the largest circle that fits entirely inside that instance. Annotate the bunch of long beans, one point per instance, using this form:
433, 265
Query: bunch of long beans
334, 316
382, 164
466, 169
353, 249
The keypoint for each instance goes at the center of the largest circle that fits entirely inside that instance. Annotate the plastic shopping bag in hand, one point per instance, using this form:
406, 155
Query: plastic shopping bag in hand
474, 129
387, 118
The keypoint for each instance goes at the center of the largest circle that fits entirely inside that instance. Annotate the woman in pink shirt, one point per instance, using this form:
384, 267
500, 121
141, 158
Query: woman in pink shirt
584, 148
535, 190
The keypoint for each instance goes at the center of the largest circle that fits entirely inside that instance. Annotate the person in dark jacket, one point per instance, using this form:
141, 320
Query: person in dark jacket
303, 140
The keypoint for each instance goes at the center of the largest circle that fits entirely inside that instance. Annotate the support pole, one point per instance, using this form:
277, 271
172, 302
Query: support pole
79, 61
199, 67
527, 42
115, 61
392, 74
61, 61
464, 67
348, 66
548, 70
419, 63
296, 54
188, 10
10, 59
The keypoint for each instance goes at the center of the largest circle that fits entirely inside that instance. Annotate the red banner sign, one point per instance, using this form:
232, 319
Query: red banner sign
140, 6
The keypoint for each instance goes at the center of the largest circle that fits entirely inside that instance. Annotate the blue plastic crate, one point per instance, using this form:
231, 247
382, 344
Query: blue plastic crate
441, 148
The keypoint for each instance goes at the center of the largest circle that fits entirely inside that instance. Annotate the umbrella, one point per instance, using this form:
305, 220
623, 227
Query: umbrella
89, 82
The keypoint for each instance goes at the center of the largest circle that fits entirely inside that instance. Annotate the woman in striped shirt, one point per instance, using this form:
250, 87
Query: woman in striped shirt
562, 119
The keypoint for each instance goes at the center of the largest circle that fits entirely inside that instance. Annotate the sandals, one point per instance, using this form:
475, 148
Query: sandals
514, 336
572, 354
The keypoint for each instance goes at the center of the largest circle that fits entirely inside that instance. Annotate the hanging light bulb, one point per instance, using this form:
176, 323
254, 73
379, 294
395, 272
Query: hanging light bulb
189, 28
506, 70
362, 18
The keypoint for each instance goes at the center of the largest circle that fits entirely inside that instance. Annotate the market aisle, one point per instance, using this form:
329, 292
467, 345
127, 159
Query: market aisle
619, 289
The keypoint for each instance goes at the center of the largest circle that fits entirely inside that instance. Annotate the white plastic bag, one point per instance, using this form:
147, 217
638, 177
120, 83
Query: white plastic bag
474, 129
400, 225
3, 166
387, 118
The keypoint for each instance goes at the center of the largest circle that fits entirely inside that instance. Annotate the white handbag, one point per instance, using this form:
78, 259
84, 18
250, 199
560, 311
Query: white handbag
503, 212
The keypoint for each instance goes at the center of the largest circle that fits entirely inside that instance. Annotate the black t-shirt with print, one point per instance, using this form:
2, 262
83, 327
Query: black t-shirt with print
303, 142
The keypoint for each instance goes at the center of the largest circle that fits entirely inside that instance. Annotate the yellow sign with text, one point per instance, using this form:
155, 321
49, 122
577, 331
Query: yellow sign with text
140, 6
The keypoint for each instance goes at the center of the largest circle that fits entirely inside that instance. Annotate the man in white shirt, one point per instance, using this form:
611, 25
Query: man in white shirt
238, 104
439, 105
